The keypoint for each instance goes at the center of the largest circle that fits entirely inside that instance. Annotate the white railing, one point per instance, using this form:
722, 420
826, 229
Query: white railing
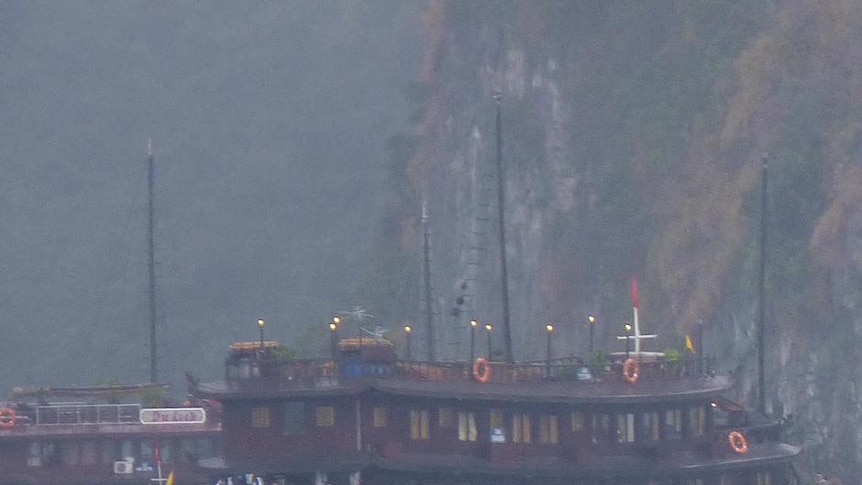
79, 414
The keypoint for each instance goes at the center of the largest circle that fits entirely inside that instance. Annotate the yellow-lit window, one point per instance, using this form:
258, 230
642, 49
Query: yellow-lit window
521, 429
549, 430
325, 416
467, 426
578, 421
379, 417
445, 417
260, 417
420, 428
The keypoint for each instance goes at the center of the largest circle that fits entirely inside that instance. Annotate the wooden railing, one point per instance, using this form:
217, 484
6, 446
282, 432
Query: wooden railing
315, 372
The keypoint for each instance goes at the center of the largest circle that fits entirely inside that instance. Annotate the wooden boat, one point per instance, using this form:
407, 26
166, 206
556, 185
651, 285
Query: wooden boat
104, 435
636, 418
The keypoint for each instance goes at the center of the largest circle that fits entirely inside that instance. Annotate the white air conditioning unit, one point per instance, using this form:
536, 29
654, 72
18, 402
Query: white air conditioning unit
123, 468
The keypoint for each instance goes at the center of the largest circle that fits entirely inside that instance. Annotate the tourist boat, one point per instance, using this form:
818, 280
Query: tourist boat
365, 416
104, 435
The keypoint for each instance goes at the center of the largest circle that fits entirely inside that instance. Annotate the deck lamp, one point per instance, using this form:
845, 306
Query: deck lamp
260, 324
550, 329
407, 331
473, 324
488, 328
592, 320
333, 335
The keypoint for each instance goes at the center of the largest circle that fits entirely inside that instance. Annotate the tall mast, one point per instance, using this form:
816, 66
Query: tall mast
761, 300
426, 274
151, 263
501, 197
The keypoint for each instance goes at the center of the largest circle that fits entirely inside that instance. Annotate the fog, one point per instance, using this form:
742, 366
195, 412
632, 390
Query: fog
268, 122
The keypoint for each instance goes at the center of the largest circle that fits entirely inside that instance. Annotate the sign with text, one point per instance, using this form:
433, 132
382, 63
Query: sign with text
173, 416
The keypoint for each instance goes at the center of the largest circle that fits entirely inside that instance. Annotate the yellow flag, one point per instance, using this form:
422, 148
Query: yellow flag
170, 478
689, 344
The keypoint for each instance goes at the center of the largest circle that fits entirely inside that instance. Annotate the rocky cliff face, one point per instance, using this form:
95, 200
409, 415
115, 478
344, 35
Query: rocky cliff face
632, 140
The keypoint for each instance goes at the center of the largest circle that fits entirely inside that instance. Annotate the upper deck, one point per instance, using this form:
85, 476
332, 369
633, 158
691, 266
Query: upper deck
104, 420
263, 374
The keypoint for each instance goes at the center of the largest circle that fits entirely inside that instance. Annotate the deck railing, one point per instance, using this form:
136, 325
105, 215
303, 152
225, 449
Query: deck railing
314, 372
78, 414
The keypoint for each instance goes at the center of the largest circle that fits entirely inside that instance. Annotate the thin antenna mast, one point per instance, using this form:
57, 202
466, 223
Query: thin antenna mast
761, 330
426, 270
151, 263
501, 197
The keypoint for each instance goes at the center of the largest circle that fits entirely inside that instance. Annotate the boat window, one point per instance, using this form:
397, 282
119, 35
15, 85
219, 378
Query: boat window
445, 417
35, 457
110, 452
260, 417
578, 421
379, 416
498, 431
648, 428
625, 428
420, 428
325, 416
294, 417
187, 450
166, 450
521, 428
90, 452
147, 452
697, 421
69, 453
205, 448
549, 431
601, 426
672, 424
126, 450
764, 478
467, 426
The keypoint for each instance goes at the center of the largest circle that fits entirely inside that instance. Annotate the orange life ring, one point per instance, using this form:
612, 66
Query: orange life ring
8, 418
631, 370
482, 370
738, 442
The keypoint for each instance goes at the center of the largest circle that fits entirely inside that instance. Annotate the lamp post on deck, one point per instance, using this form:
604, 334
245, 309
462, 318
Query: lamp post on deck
592, 326
488, 329
260, 324
407, 331
473, 325
333, 336
550, 329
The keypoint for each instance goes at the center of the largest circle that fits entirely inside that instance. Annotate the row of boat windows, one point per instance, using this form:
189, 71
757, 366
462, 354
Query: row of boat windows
516, 427
93, 452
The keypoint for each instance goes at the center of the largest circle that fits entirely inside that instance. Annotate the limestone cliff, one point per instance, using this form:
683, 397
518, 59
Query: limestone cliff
633, 134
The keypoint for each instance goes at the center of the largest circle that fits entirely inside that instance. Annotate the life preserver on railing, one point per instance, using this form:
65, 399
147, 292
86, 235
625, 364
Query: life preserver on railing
482, 370
738, 442
631, 370
8, 418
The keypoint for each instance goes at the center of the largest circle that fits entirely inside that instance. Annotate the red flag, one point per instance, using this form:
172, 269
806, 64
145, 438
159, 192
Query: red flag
158, 454
634, 292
